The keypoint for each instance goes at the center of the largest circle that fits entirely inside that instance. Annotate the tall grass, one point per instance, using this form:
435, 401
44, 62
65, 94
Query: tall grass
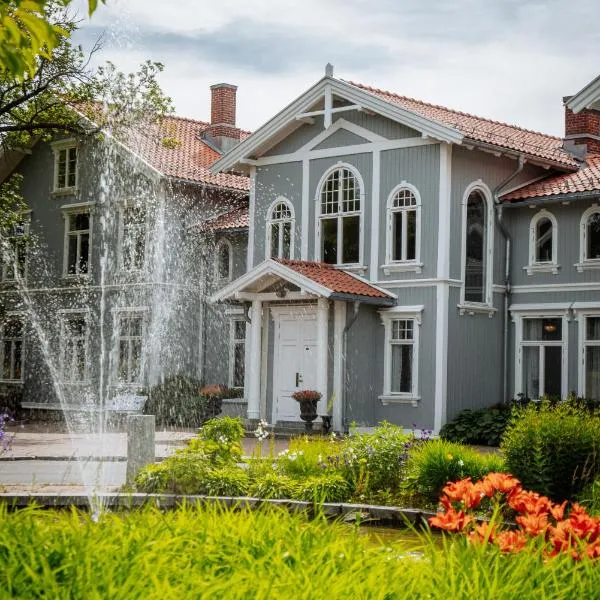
215, 553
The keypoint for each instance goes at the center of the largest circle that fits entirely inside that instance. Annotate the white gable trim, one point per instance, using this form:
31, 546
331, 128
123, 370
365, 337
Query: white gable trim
588, 97
287, 117
341, 124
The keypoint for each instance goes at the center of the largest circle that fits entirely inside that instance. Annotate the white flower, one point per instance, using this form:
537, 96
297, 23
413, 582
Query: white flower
461, 463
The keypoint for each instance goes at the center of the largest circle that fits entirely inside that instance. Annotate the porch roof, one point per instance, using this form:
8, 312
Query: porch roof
280, 277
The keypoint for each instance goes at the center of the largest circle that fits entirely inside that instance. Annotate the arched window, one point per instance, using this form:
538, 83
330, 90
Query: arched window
591, 234
280, 230
340, 214
477, 245
404, 207
543, 234
223, 260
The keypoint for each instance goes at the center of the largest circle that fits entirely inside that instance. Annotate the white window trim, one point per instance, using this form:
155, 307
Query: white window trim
13, 315
361, 213
413, 313
542, 267
541, 311
486, 307
586, 263
581, 314
402, 266
123, 206
271, 222
56, 148
222, 280
64, 315
68, 210
142, 311
5, 266
232, 341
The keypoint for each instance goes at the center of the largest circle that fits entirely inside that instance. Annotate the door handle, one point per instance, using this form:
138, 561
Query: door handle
298, 379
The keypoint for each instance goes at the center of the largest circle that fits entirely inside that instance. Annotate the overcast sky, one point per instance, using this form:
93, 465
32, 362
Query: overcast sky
510, 60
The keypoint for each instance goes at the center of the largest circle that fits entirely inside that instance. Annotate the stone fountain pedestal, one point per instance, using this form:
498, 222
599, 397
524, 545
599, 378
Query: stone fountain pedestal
140, 444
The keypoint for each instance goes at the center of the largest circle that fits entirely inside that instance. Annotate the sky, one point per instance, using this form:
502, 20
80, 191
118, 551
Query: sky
509, 60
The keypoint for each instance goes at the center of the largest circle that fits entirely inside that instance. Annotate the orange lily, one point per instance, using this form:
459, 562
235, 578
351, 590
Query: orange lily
451, 520
464, 491
498, 482
533, 524
510, 541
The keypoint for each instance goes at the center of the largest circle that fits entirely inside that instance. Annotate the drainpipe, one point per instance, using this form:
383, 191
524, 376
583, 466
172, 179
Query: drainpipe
345, 348
507, 288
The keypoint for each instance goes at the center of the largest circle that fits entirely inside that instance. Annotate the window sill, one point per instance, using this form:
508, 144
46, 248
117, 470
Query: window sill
78, 279
542, 268
387, 399
587, 265
476, 309
406, 267
235, 401
71, 191
358, 269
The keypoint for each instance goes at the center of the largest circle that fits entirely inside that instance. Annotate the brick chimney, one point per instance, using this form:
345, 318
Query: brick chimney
582, 130
222, 132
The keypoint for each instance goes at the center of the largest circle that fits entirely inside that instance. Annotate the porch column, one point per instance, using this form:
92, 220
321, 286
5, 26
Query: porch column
323, 350
339, 322
254, 360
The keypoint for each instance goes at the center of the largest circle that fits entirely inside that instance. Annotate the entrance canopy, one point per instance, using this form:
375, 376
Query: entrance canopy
296, 280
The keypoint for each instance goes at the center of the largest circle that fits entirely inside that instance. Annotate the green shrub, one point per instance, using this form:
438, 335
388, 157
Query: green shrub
218, 442
324, 488
152, 479
177, 401
223, 430
226, 481
432, 464
299, 464
273, 485
179, 474
590, 497
553, 450
484, 426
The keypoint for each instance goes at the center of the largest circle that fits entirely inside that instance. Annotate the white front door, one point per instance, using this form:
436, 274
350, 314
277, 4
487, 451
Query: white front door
295, 365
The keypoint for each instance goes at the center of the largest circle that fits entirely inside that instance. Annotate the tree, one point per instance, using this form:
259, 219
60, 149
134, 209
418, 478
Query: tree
26, 32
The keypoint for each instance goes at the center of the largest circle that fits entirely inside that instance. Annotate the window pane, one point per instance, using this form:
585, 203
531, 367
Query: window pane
350, 192
329, 236
593, 236
287, 240
351, 233
397, 236
475, 242
135, 327
402, 329
531, 371
411, 235
17, 360
136, 360
238, 365
6, 360
72, 256
401, 380
552, 370
123, 360
62, 169
592, 328
13, 329
79, 222
223, 264
592, 372
275, 240
139, 248
329, 194
542, 329
543, 237
239, 332
72, 166
85, 253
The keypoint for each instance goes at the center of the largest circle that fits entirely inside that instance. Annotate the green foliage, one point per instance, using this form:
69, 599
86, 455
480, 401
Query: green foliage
177, 401
328, 487
226, 481
211, 552
590, 497
223, 430
553, 450
484, 426
179, 474
432, 464
272, 485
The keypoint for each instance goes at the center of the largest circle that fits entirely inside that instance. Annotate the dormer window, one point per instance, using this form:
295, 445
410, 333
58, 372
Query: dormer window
65, 166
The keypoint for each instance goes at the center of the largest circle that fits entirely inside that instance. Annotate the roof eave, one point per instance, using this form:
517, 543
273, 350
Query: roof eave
550, 199
585, 97
378, 301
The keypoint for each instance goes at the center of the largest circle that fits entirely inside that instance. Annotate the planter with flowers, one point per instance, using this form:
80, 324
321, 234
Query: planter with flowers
308, 400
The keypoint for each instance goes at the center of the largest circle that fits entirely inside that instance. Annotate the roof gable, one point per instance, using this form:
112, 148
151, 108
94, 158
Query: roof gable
587, 97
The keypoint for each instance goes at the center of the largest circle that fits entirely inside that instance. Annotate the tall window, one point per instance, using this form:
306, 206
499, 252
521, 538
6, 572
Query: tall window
133, 238
223, 260
11, 349
592, 236
402, 349
13, 251
403, 221
280, 231
65, 168
74, 341
237, 352
340, 203
591, 349
541, 351
77, 243
130, 329
477, 244
542, 243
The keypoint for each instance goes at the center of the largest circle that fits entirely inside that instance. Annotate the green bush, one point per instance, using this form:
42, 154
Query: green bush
484, 426
329, 487
218, 442
177, 401
272, 485
179, 474
553, 450
590, 497
432, 464
226, 481
153, 479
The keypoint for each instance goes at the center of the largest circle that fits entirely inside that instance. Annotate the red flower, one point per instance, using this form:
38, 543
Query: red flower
510, 541
451, 520
498, 482
464, 491
533, 524
529, 502
485, 532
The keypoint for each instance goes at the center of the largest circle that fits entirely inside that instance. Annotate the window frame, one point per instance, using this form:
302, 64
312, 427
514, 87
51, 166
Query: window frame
68, 211
468, 306
414, 264
388, 317
118, 313
8, 317
124, 206
582, 311
57, 148
320, 217
64, 316
270, 222
534, 265
585, 262
223, 242
12, 238
233, 341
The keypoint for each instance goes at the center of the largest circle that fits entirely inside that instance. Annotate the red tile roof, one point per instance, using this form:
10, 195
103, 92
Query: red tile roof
334, 279
532, 143
234, 219
176, 149
587, 179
